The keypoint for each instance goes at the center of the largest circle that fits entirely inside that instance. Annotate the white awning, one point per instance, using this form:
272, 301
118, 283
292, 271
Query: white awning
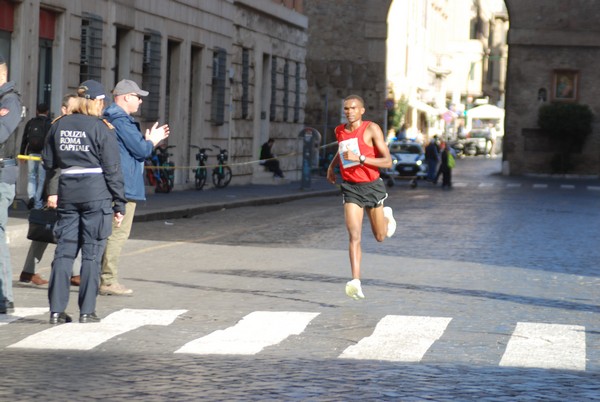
424, 107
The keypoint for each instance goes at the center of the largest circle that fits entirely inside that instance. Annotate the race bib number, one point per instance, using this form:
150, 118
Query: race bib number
352, 145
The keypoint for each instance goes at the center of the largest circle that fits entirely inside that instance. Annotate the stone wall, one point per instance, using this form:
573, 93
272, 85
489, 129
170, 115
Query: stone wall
545, 37
346, 54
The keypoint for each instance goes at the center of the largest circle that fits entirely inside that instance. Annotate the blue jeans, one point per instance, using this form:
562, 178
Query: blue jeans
35, 185
7, 195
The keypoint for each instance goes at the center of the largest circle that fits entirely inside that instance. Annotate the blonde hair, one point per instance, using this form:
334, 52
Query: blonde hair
89, 107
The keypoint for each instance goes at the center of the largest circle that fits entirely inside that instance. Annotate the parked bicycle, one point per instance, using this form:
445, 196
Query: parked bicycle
161, 171
200, 172
221, 174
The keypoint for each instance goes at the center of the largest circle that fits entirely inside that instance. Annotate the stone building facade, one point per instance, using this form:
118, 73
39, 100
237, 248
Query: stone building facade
235, 72
546, 39
226, 72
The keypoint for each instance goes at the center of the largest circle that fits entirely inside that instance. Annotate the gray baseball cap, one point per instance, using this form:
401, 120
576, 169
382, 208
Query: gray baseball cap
125, 87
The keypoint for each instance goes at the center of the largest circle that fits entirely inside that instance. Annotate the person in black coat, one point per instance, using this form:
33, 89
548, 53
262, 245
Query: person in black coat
432, 158
269, 160
445, 169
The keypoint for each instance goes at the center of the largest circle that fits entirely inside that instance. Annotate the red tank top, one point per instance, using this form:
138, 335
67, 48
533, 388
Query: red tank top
355, 172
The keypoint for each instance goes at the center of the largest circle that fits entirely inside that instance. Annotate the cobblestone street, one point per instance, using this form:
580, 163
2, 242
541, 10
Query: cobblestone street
486, 292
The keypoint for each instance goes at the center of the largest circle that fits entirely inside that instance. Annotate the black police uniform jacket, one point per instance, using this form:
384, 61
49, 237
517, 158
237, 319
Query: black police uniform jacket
85, 142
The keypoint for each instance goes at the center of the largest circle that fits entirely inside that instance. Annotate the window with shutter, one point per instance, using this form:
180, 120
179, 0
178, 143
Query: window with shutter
151, 74
90, 59
218, 87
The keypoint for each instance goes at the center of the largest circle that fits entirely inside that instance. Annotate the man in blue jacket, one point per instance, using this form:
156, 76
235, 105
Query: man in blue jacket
134, 149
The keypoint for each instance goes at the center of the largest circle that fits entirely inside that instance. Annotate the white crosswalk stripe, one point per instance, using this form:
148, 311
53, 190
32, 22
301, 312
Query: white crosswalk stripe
252, 334
87, 336
535, 186
22, 312
399, 338
550, 346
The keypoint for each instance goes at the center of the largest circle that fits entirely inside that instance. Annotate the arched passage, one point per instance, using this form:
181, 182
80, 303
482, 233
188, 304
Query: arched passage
346, 53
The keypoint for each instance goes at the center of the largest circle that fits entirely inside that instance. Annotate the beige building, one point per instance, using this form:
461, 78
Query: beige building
225, 72
444, 55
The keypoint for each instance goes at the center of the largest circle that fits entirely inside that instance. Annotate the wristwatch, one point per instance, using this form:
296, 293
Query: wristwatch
362, 159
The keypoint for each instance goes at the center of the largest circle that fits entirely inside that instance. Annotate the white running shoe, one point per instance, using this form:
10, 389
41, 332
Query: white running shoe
388, 213
354, 290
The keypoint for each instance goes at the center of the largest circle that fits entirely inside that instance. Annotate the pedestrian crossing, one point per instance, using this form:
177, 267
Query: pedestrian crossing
395, 338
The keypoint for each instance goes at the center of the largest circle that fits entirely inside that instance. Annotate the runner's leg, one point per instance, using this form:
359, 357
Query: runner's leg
354, 217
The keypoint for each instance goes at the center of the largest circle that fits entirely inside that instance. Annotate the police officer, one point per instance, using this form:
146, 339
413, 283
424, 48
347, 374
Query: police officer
81, 156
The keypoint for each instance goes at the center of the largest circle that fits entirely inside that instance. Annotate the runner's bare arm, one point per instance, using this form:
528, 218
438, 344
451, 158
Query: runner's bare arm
331, 169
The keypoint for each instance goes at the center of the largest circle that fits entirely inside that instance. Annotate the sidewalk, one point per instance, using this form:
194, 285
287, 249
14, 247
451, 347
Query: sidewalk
185, 203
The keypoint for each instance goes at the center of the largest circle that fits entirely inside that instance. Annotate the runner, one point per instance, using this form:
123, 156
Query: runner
362, 151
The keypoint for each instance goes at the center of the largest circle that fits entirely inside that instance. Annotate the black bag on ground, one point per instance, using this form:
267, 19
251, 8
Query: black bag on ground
41, 225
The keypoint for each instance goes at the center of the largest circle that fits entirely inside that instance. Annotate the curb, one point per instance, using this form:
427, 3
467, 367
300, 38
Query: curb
17, 234
187, 211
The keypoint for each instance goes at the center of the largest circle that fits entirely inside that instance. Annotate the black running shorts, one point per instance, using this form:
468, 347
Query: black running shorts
365, 195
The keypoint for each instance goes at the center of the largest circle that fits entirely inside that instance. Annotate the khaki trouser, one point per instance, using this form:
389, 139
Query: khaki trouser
116, 241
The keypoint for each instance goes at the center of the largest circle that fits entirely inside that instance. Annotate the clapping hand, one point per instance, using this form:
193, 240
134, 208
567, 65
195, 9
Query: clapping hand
157, 134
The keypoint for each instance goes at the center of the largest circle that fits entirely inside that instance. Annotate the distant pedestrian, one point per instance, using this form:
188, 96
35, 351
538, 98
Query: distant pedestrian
447, 163
269, 160
134, 148
401, 135
32, 144
81, 157
10, 117
362, 152
432, 158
